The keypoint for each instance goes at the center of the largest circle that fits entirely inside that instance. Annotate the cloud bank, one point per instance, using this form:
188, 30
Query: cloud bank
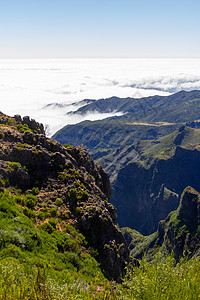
48, 89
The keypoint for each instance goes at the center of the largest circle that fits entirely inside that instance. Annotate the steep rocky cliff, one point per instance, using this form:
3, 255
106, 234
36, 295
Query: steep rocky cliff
146, 191
69, 187
178, 233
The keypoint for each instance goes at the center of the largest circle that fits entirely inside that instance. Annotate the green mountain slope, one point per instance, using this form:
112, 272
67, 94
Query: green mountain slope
109, 141
147, 189
176, 108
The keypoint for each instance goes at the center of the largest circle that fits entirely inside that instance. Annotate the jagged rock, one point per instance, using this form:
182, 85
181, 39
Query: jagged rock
178, 233
162, 205
188, 210
68, 177
32, 124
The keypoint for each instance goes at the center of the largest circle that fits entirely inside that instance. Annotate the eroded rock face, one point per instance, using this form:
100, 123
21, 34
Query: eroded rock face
162, 205
179, 232
144, 196
68, 176
32, 124
188, 210
177, 235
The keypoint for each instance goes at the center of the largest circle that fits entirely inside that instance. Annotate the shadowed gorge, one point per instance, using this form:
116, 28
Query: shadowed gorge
146, 191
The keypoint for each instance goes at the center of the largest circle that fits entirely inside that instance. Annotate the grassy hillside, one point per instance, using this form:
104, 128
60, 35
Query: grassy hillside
41, 262
59, 237
162, 280
45, 263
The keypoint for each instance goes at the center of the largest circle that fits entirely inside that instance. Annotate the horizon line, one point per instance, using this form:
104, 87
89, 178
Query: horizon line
53, 58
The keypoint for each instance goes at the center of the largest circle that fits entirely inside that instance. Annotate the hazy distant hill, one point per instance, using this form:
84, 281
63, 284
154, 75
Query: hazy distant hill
173, 108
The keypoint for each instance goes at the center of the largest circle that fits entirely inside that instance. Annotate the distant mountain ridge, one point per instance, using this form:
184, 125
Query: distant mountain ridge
148, 108
143, 119
125, 105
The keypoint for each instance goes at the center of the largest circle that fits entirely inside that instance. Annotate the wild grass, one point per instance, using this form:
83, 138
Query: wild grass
25, 281
162, 279
156, 281
45, 263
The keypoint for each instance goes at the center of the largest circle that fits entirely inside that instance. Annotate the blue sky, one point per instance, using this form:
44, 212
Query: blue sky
106, 28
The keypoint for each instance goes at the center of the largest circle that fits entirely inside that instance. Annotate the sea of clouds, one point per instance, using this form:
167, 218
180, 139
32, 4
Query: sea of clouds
47, 90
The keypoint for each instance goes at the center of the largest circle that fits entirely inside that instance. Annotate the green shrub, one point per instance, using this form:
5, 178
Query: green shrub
53, 212
41, 215
25, 169
12, 251
78, 210
18, 199
30, 201
20, 146
13, 166
53, 222
2, 183
42, 263
59, 202
67, 146
74, 259
61, 167
75, 173
106, 246
63, 176
23, 128
7, 209
47, 227
2, 135
83, 195
29, 213
72, 194
81, 185
162, 279
35, 190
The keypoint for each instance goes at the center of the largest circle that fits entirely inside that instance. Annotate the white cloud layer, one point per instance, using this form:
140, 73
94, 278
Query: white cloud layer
28, 86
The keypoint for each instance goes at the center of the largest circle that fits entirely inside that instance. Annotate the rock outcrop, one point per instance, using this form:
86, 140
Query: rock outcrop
68, 182
178, 233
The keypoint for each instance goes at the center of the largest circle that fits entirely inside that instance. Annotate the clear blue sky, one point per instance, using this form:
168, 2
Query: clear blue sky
103, 28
